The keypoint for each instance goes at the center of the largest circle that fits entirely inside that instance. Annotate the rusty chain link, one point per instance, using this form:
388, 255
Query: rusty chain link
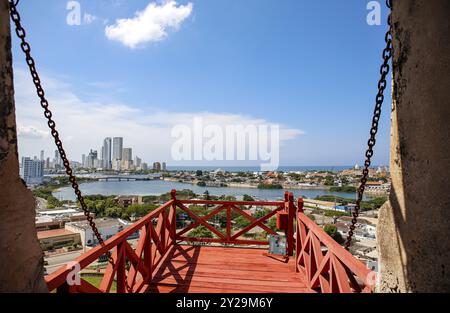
382, 84
25, 46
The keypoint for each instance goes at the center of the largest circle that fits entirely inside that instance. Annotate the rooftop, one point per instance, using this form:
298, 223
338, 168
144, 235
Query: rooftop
53, 233
99, 222
58, 212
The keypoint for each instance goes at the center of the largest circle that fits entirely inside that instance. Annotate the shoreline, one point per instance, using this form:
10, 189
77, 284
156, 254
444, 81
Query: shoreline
245, 185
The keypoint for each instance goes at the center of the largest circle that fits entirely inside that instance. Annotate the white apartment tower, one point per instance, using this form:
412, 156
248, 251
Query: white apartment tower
117, 148
32, 171
106, 153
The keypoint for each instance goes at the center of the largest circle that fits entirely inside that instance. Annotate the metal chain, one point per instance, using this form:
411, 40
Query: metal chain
24, 45
382, 84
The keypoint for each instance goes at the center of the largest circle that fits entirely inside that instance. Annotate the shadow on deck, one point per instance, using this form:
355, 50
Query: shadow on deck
206, 269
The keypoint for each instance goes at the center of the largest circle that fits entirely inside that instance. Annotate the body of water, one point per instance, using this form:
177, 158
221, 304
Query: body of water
257, 168
158, 187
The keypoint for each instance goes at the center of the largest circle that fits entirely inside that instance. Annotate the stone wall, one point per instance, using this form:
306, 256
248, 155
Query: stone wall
414, 227
21, 258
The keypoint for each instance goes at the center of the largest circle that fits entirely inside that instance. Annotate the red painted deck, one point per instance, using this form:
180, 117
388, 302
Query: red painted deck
195, 269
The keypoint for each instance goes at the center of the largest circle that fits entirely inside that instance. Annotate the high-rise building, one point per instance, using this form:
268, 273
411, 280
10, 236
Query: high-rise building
92, 159
137, 162
127, 154
117, 148
83, 160
106, 153
156, 166
42, 155
32, 171
163, 167
47, 163
57, 161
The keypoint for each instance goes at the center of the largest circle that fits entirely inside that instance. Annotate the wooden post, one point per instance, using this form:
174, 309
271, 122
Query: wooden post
121, 270
148, 258
300, 205
228, 223
173, 194
21, 257
290, 230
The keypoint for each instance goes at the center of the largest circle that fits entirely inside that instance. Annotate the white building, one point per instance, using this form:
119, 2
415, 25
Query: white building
107, 228
127, 154
32, 171
107, 153
117, 148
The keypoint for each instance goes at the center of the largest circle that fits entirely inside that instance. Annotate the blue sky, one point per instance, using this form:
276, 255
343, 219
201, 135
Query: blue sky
311, 66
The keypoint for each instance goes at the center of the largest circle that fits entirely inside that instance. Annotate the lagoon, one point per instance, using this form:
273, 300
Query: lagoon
158, 187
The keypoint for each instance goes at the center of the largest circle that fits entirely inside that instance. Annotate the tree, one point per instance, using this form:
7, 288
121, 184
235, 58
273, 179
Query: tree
333, 232
201, 232
248, 198
242, 222
272, 223
201, 184
198, 173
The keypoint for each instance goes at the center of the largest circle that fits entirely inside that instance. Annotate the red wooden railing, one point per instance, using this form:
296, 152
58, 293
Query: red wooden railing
327, 266
131, 268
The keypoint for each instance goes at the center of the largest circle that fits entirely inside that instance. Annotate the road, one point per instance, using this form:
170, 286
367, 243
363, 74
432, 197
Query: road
57, 261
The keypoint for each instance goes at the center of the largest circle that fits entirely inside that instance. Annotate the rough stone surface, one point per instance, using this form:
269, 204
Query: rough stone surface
21, 258
414, 226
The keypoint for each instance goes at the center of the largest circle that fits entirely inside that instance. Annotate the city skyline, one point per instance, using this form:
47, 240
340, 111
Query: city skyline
113, 156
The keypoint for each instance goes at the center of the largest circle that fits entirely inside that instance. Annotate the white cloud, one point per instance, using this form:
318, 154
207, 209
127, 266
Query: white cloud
29, 131
150, 25
83, 124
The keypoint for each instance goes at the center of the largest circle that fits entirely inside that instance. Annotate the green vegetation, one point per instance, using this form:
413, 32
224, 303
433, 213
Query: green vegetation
106, 206
201, 184
97, 280
269, 186
311, 217
295, 176
242, 222
366, 205
184, 194
332, 231
201, 232
45, 192
248, 198
329, 181
331, 213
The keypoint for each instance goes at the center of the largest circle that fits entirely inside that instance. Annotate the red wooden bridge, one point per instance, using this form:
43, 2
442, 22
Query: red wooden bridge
167, 259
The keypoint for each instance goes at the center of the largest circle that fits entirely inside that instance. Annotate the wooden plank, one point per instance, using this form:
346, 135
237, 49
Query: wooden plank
220, 269
208, 271
232, 287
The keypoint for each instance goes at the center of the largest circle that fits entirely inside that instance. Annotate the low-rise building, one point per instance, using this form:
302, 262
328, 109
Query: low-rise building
126, 201
319, 204
52, 219
107, 227
58, 238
